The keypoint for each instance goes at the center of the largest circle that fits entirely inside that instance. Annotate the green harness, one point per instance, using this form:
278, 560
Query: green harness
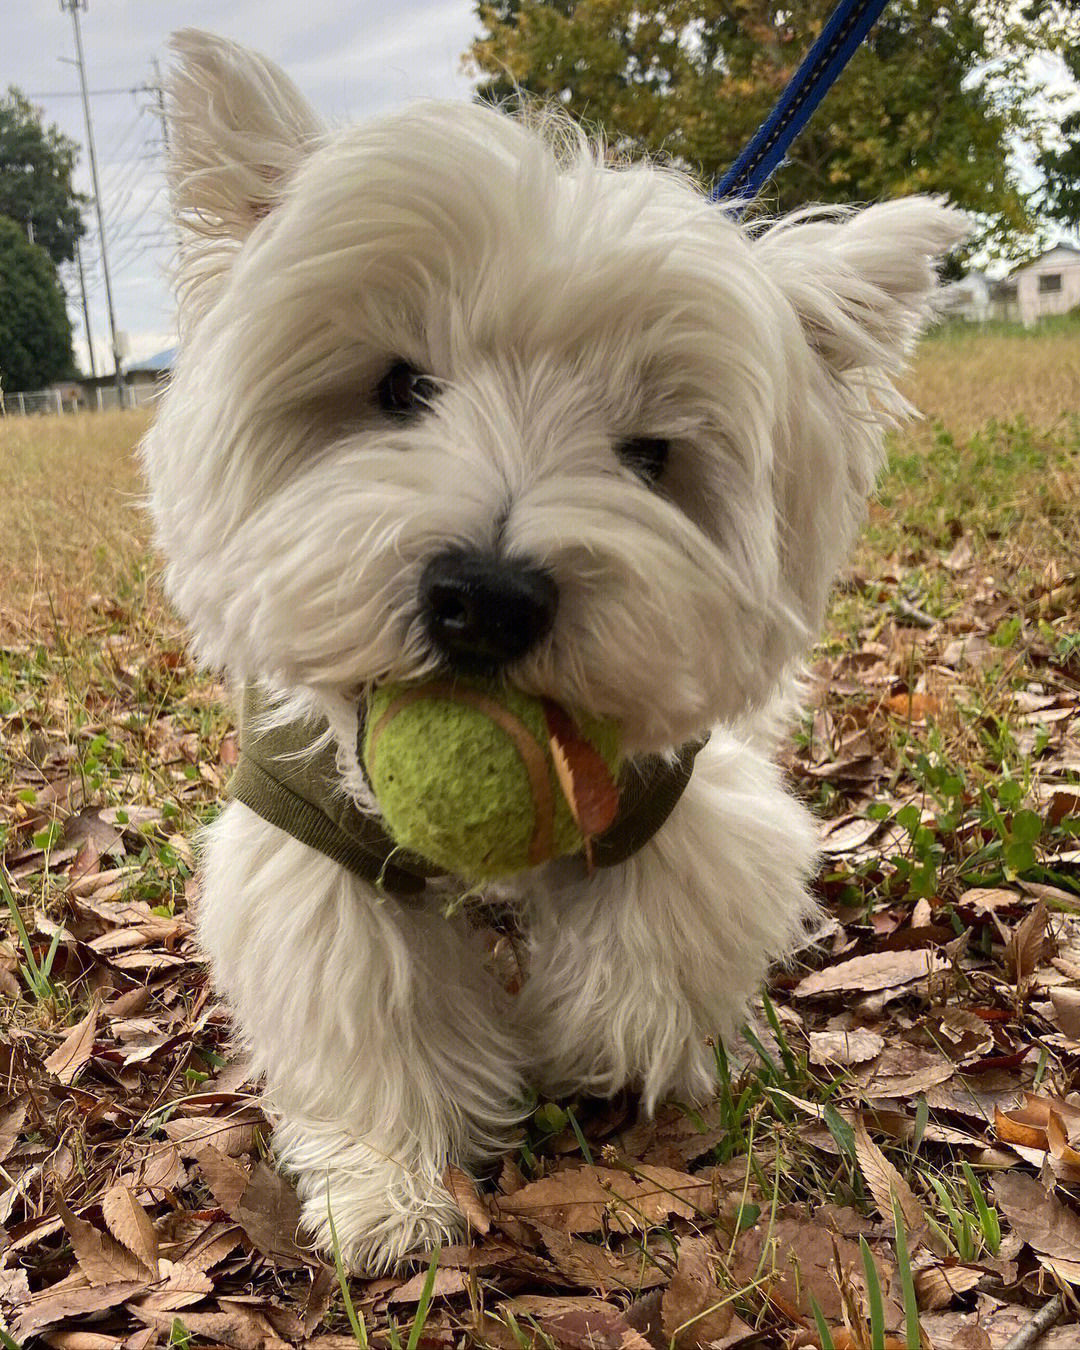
299, 790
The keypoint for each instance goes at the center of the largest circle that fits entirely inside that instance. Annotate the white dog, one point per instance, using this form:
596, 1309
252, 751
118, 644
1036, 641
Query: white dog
450, 335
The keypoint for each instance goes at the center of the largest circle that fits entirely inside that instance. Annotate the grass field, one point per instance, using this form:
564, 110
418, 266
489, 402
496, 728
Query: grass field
893, 1161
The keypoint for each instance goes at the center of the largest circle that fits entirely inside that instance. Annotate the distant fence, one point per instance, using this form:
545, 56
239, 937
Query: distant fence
70, 399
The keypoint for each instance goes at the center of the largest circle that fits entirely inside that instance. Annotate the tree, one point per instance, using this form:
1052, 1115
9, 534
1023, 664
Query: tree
35, 332
36, 164
692, 79
1060, 164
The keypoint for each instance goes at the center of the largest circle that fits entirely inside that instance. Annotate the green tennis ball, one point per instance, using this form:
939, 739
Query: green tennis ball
466, 775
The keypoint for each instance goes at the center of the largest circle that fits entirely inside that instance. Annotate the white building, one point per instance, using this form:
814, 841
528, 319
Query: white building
968, 298
1049, 285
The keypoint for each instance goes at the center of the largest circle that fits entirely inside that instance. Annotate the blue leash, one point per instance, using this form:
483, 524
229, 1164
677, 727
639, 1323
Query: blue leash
848, 24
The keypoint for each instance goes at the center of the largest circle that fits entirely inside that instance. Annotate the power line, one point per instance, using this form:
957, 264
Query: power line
92, 93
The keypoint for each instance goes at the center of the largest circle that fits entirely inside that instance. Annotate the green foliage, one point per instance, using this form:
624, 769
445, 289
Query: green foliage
36, 163
692, 81
1060, 164
35, 331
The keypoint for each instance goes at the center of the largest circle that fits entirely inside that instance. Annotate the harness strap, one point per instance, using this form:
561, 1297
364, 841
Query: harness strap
848, 25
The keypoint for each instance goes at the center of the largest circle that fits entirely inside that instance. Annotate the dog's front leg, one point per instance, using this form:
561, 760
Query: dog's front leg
385, 1052
636, 968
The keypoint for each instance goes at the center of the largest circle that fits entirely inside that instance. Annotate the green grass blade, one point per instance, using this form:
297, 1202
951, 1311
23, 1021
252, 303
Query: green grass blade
824, 1334
583, 1143
786, 1055
873, 1293
35, 979
424, 1306
988, 1218
359, 1327
912, 1331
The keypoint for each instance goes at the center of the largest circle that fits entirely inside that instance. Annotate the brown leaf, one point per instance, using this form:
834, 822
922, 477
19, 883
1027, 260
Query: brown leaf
180, 1287
12, 1119
695, 1310
582, 1199
446, 1283
937, 1286
101, 1258
884, 1182
579, 1323
211, 1245
1066, 1003
75, 1049
130, 1224
1038, 1217
269, 1213
845, 1047
239, 1328
233, 1135
591, 1266
984, 899
464, 1194
880, 970
56, 1304
1025, 950
1028, 1125
227, 1178
1058, 1141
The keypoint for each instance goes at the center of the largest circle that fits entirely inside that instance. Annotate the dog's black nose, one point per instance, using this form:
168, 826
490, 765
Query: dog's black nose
483, 611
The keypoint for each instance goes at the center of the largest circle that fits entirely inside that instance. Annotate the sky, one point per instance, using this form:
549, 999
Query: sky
351, 58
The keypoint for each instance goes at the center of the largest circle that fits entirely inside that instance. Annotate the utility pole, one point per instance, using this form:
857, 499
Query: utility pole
73, 7
85, 311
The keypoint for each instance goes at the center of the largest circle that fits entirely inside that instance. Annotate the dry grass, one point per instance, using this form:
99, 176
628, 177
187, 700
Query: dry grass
72, 520
966, 378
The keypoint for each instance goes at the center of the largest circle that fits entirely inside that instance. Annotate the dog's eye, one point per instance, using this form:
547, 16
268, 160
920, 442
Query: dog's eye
645, 456
403, 391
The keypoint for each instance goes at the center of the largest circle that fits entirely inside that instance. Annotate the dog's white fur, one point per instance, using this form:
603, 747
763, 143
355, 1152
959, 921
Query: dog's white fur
563, 305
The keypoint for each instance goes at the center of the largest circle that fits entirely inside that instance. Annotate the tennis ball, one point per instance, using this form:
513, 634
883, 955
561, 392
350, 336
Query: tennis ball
483, 780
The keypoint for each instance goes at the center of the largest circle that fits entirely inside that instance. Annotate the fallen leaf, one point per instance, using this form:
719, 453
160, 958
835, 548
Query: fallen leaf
464, 1194
845, 1047
937, 1286
446, 1282
12, 1119
101, 1258
591, 1266
1025, 950
1066, 1003
56, 1305
1037, 1216
695, 1310
582, 1199
227, 1178
880, 970
579, 1323
885, 1182
75, 1049
269, 1213
130, 1224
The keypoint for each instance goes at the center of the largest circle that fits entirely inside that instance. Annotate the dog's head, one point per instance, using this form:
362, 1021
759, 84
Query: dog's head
455, 393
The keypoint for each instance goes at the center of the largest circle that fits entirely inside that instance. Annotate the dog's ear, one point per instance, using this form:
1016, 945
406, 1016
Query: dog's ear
861, 285
238, 129
862, 282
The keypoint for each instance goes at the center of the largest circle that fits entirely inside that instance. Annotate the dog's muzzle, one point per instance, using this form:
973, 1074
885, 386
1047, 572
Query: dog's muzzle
481, 611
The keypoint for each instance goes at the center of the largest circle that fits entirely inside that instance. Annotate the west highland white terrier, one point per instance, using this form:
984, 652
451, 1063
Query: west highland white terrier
637, 437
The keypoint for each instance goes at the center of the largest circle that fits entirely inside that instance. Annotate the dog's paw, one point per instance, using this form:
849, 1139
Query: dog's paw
377, 1229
